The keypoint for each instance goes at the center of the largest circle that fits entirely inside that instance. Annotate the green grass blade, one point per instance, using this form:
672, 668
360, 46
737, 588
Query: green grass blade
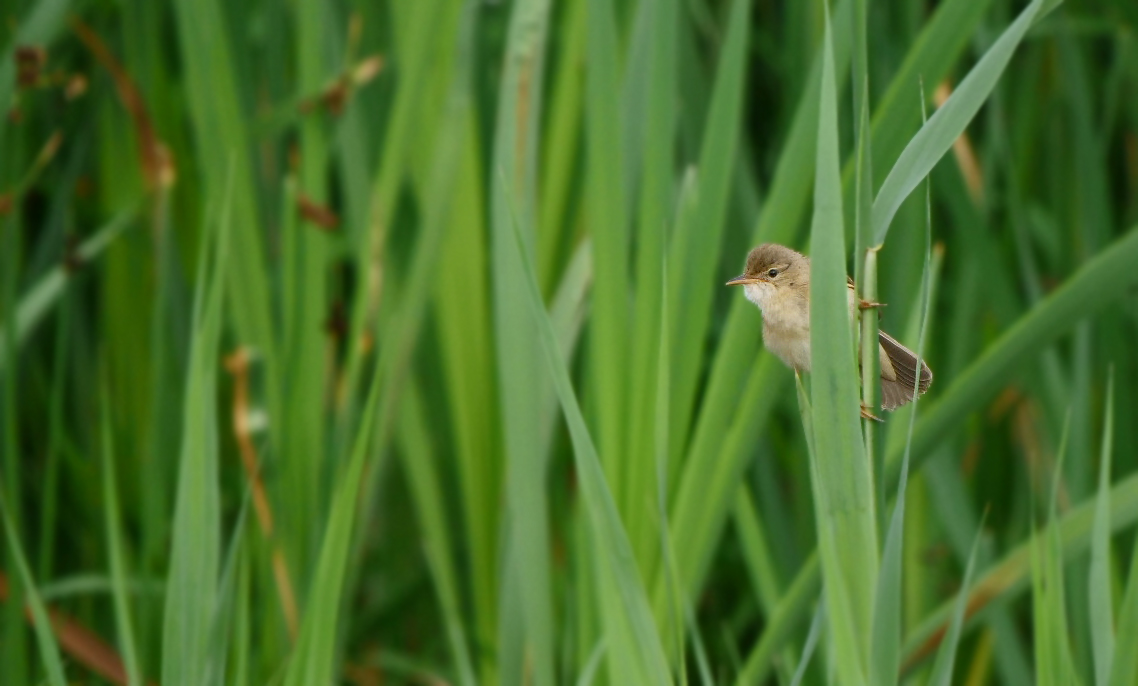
592, 665
1101, 607
220, 125
124, 622
631, 633
42, 297
192, 579
656, 203
842, 480
45, 635
1053, 663
464, 327
305, 345
312, 661
225, 610
811, 643
933, 54
1010, 576
1124, 670
568, 311
946, 656
937, 136
696, 245
655, 216
608, 224
525, 630
885, 651
559, 161
790, 612
1103, 278
731, 415
431, 511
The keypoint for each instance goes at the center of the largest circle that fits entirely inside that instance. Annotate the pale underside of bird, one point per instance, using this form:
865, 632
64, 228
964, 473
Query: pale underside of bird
777, 280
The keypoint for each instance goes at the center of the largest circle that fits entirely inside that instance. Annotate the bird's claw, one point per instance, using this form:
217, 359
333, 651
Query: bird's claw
866, 414
868, 305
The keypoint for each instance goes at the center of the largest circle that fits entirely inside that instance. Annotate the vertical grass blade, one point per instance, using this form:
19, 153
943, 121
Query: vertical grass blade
655, 217
124, 622
694, 248
312, 662
885, 652
842, 482
525, 620
657, 200
220, 124
226, 610
631, 636
305, 346
1101, 607
192, 579
1124, 670
1053, 663
431, 510
742, 389
608, 224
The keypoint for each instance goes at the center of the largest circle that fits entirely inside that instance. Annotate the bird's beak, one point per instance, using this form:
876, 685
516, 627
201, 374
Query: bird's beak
742, 280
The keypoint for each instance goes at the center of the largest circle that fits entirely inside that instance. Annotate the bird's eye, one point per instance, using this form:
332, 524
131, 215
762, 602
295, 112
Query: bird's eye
772, 273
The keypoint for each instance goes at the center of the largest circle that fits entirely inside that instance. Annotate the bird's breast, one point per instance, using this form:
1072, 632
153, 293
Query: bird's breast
790, 344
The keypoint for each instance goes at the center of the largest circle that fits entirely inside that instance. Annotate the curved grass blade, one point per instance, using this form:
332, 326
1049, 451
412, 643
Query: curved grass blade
1010, 576
1096, 284
45, 636
946, 656
1124, 670
937, 136
631, 633
811, 643
1106, 276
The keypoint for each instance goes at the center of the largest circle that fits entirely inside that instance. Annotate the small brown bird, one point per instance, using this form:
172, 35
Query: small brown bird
777, 279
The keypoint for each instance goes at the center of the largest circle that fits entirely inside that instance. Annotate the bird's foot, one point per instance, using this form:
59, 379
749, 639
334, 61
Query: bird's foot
866, 414
868, 305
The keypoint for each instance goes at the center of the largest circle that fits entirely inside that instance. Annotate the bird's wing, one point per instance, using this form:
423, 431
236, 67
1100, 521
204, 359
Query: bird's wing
899, 373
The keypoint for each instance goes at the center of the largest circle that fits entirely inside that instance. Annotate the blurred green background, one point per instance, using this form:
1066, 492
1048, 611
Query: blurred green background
386, 342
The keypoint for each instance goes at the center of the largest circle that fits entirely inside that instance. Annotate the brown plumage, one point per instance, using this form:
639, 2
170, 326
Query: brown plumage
777, 280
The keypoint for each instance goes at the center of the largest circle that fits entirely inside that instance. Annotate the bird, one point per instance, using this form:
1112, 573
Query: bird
777, 280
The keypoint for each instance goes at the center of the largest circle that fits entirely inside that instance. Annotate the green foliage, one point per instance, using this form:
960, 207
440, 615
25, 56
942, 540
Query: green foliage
355, 342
